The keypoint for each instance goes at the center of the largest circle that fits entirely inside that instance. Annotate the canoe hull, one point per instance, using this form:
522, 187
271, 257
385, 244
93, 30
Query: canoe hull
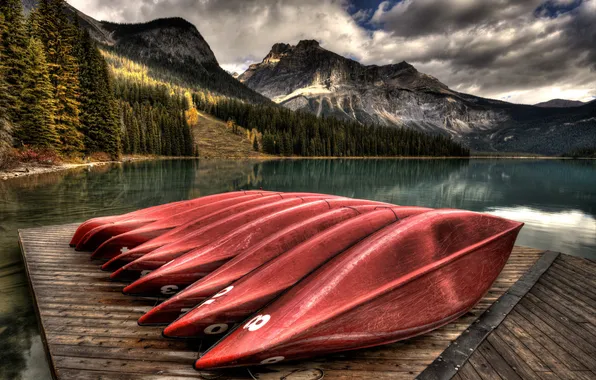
133, 238
192, 227
249, 294
84, 236
190, 267
401, 282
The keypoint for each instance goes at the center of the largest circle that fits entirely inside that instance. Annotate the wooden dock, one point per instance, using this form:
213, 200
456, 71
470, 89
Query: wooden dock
538, 321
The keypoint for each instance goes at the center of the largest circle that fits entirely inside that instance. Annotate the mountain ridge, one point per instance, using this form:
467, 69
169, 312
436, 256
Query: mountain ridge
172, 47
560, 103
310, 78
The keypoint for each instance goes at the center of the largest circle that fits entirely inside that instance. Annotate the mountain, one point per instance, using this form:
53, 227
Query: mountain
560, 103
308, 77
311, 78
172, 48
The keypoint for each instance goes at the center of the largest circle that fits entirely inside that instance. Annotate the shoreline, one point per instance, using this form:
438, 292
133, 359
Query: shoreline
27, 169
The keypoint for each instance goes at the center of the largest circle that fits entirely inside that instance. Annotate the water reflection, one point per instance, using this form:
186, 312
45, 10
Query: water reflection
556, 199
576, 231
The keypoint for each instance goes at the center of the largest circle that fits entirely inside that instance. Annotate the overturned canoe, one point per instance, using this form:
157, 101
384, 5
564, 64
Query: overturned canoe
295, 264
264, 251
183, 271
204, 236
130, 239
404, 280
94, 237
118, 258
149, 212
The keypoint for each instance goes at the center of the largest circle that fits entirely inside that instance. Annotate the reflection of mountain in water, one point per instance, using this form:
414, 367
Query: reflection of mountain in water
473, 185
576, 231
542, 185
371, 179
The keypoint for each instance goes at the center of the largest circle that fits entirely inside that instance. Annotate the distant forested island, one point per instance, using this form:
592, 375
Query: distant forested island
63, 95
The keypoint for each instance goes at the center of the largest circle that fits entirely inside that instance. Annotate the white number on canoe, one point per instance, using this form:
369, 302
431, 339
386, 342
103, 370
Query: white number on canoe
275, 359
223, 292
145, 272
257, 322
216, 329
208, 302
169, 290
124, 250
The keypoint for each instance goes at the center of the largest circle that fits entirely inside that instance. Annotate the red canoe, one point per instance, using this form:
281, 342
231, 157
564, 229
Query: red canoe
188, 228
204, 236
128, 240
93, 238
407, 279
314, 251
267, 249
90, 224
258, 288
197, 263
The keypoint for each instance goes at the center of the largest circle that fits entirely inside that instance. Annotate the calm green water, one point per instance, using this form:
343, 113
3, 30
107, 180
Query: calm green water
556, 199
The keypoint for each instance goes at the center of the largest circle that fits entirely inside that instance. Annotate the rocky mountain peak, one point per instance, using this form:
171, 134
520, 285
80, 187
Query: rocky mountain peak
307, 44
307, 65
280, 48
173, 39
560, 103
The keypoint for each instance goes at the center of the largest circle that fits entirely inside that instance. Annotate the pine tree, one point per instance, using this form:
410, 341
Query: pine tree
255, 144
5, 125
13, 49
37, 118
98, 107
58, 35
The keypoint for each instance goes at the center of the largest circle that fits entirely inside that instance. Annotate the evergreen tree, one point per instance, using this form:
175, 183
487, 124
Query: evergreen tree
13, 48
255, 144
5, 125
58, 35
37, 118
98, 108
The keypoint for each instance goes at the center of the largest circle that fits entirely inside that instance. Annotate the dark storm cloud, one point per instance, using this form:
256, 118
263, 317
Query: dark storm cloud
522, 50
495, 47
422, 17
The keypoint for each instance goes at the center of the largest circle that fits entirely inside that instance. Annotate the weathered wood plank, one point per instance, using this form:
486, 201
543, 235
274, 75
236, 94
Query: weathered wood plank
467, 372
483, 367
512, 359
548, 295
497, 362
520, 349
570, 331
568, 359
555, 363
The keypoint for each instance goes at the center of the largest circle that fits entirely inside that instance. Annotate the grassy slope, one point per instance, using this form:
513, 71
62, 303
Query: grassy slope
216, 140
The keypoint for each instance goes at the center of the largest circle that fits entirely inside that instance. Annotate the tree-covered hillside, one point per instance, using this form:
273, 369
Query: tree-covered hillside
59, 97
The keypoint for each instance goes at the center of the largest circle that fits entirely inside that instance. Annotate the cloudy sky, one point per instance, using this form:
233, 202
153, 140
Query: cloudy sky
523, 51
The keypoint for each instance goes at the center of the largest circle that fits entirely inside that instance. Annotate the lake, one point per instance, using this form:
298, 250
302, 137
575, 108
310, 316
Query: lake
555, 198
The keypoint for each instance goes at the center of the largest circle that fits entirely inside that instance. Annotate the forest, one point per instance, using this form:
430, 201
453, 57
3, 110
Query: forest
62, 95
58, 97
